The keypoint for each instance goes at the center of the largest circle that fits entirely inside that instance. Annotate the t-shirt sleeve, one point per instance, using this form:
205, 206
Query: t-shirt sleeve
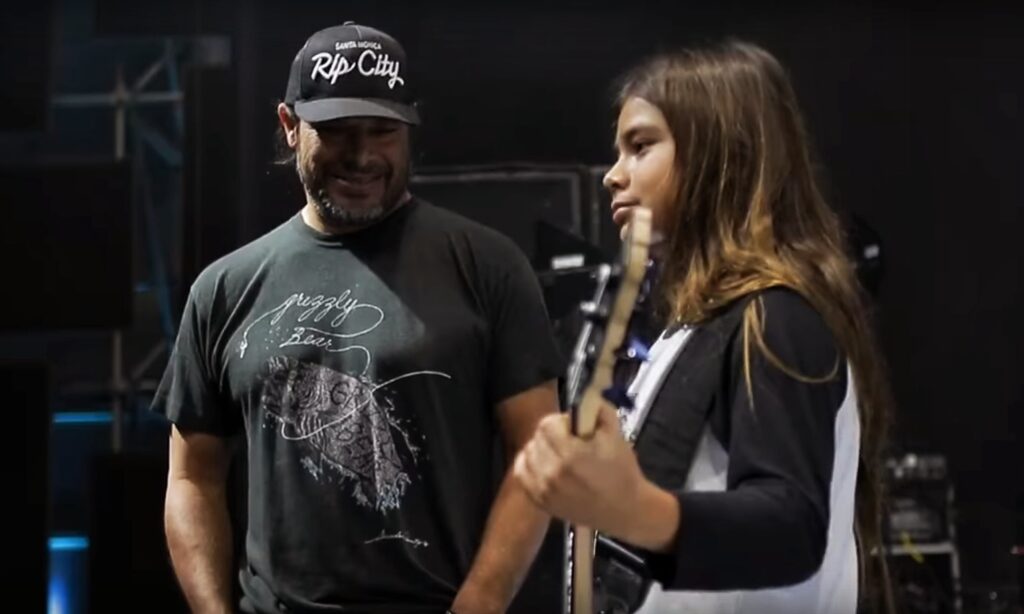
769, 527
188, 391
524, 352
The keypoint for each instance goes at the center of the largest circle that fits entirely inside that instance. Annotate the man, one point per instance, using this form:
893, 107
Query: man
373, 349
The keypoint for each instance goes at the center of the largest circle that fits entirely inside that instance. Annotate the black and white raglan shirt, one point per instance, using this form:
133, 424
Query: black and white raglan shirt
766, 489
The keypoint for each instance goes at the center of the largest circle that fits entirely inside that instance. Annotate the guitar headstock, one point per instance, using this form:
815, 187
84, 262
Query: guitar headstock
609, 337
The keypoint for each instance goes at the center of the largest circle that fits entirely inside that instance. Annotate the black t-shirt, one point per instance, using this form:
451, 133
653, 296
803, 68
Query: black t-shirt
364, 370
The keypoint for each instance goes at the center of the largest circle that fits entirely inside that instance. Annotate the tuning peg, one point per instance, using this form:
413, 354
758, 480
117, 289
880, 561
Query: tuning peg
634, 349
617, 396
593, 312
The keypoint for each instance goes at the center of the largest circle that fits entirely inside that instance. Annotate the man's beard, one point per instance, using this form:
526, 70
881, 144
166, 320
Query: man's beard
334, 214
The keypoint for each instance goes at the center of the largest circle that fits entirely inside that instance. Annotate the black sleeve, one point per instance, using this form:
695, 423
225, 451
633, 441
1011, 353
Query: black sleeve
770, 526
524, 352
188, 391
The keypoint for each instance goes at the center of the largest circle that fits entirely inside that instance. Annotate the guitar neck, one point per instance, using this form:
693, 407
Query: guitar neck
582, 594
584, 413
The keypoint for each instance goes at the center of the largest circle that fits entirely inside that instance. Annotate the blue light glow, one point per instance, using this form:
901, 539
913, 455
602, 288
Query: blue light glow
82, 417
68, 542
68, 562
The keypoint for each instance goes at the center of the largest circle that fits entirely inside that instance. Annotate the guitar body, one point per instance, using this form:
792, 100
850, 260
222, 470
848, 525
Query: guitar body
604, 342
621, 578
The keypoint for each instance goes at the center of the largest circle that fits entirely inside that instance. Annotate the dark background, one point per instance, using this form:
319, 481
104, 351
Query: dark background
916, 114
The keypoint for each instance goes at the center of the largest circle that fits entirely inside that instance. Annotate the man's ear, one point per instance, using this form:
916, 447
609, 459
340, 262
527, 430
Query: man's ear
289, 123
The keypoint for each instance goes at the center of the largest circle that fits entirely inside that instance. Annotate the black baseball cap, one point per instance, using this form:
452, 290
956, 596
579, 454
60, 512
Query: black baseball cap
351, 71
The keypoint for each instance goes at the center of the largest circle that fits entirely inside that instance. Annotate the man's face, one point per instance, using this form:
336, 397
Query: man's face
355, 170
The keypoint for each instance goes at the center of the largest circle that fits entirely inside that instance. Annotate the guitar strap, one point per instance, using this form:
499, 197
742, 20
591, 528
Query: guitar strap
622, 579
649, 378
689, 360
682, 395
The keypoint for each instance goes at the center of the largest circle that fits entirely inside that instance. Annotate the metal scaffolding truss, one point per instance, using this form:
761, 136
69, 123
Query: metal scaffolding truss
150, 147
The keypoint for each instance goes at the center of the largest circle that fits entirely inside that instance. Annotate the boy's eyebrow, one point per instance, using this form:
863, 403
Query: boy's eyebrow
630, 133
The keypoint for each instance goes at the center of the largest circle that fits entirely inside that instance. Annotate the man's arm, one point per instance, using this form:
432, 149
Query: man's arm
196, 520
515, 527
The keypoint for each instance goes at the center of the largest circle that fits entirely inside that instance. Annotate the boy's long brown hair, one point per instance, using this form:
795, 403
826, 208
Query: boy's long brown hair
748, 216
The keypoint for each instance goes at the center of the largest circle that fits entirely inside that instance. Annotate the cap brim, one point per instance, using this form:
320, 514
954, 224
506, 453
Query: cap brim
337, 108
